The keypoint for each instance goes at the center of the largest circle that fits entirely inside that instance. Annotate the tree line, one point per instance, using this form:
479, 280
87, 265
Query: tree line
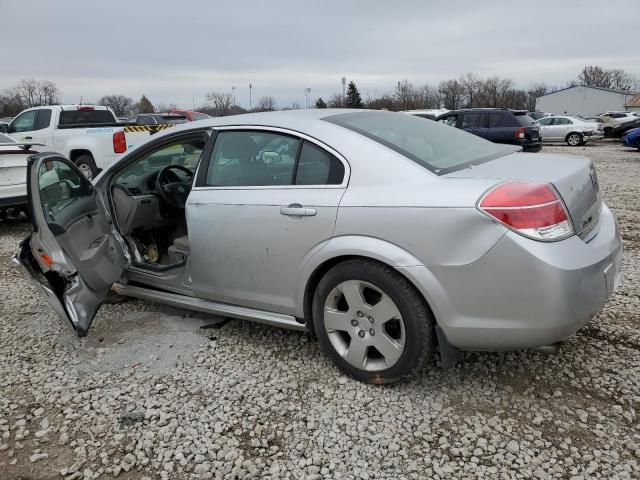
466, 91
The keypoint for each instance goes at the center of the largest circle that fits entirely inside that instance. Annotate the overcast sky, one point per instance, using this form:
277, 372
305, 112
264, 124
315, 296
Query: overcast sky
174, 51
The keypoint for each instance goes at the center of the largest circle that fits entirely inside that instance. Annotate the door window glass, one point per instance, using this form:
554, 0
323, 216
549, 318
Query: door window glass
60, 186
43, 120
562, 121
467, 119
318, 167
184, 152
252, 158
482, 120
495, 119
545, 121
24, 122
449, 120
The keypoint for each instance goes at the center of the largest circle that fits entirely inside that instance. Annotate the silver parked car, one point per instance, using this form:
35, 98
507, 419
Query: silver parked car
572, 130
379, 231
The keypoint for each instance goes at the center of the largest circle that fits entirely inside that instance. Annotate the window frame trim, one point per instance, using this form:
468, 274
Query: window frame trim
201, 172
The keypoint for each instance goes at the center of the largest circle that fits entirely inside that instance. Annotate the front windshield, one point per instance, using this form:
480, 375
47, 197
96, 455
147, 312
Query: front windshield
437, 147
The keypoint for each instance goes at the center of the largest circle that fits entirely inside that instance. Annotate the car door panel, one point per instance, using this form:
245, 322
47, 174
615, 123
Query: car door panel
247, 249
71, 255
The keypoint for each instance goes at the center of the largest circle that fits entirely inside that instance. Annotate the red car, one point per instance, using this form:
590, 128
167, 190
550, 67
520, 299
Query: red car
190, 114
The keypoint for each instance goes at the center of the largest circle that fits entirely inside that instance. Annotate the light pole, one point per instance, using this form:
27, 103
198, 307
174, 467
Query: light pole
344, 83
307, 95
233, 89
250, 102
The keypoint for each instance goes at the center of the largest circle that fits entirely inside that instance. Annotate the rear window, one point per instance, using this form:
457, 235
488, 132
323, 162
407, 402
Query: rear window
72, 117
523, 119
437, 147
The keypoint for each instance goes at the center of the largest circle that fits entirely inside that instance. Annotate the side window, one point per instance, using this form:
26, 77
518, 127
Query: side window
467, 119
43, 120
318, 167
60, 186
482, 120
561, 121
495, 119
183, 152
449, 120
252, 158
24, 122
545, 121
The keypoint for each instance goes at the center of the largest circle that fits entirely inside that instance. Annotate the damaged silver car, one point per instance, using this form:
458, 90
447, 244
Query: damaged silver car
382, 233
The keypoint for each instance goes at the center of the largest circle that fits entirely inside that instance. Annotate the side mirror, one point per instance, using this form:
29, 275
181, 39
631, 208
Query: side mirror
4, 128
269, 157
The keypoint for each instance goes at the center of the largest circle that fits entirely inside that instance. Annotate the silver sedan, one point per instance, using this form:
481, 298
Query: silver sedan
384, 234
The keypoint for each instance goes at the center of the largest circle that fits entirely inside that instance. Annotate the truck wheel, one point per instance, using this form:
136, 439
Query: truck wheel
372, 323
574, 139
87, 166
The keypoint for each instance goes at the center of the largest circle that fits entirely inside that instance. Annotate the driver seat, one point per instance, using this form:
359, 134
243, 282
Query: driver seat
179, 251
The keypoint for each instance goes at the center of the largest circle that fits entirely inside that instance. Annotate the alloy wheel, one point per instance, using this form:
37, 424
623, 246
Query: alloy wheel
364, 325
573, 140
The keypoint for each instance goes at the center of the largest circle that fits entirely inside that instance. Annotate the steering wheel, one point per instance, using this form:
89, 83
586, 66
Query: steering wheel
173, 192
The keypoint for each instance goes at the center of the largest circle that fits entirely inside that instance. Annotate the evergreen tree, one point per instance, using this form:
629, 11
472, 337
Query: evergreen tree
320, 103
353, 96
145, 106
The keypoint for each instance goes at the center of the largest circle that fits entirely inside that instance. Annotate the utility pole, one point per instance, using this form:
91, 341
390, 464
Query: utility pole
193, 100
344, 91
307, 96
250, 102
233, 89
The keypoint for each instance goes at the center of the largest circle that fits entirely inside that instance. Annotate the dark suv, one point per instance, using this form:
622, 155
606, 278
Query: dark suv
499, 125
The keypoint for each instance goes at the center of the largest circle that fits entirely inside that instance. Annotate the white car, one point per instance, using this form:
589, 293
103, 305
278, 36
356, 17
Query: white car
620, 117
13, 175
88, 135
572, 130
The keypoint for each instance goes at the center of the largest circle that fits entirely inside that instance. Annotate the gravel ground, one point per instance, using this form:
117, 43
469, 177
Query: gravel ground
150, 395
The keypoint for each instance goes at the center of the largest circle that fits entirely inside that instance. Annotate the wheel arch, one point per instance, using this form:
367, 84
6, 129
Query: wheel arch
341, 249
573, 132
77, 152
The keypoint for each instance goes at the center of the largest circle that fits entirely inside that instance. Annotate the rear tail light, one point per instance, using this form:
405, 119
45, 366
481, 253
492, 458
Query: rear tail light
86, 108
119, 142
532, 209
520, 133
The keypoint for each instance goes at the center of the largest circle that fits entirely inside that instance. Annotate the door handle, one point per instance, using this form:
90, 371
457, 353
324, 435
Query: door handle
27, 138
297, 210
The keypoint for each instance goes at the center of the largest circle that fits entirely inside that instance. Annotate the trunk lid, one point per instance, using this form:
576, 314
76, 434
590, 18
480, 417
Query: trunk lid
573, 177
13, 166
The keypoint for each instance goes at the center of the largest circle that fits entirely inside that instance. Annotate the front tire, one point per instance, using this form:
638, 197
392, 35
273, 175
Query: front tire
372, 323
574, 139
87, 165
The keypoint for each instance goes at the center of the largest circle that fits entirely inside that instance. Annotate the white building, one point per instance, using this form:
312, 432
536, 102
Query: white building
585, 101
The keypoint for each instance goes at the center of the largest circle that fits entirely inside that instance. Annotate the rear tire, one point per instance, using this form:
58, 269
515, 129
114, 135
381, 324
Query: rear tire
574, 139
372, 323
87, 165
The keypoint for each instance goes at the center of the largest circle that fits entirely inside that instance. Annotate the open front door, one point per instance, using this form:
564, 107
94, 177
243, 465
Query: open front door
71, 254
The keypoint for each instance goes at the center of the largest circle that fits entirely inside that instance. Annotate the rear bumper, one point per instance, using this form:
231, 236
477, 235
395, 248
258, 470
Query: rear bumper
524, 293
13, 196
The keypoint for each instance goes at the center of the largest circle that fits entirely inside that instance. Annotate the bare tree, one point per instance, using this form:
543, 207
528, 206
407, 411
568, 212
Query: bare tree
535, 91
266, 104
336, 101
406, 96
121, 105
33, 93
451, 93
385, 101
219, 103
615, 78
472, 85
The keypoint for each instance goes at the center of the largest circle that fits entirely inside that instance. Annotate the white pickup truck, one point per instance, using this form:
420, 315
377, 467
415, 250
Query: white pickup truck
88, 135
